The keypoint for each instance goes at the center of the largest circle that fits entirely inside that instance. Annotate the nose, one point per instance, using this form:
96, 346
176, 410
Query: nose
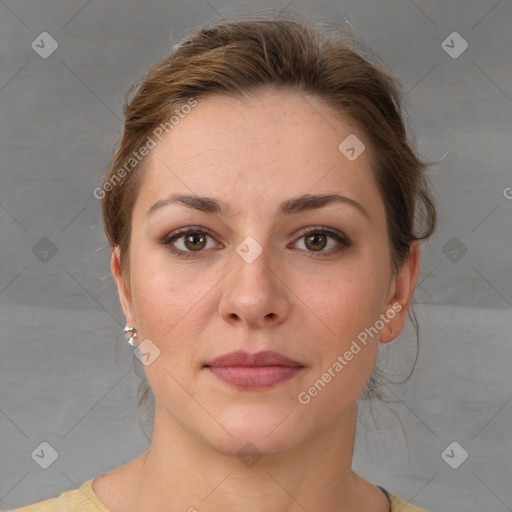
255, 294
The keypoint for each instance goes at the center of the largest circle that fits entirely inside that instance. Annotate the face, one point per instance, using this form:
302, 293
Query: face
259, 267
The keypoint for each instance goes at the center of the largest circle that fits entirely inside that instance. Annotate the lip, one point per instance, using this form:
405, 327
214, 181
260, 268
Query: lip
265, 358
254, 371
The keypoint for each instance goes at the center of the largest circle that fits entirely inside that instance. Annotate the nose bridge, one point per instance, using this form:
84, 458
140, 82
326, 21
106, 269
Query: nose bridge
253, 269
253, 292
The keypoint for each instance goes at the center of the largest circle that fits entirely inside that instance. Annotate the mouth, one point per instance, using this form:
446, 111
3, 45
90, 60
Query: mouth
254, 377
254, 371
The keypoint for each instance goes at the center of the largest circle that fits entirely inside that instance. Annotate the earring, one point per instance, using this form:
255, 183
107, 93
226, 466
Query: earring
131, 334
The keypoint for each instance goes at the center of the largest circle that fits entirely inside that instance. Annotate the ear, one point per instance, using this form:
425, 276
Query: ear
401, 293
124, 292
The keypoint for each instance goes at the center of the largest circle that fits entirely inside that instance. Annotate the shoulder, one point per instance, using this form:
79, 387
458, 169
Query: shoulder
82, 499
399, 505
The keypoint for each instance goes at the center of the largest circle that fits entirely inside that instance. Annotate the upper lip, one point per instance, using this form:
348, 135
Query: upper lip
265, 358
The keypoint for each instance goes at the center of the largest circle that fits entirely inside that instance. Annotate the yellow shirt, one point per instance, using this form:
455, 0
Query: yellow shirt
84, 499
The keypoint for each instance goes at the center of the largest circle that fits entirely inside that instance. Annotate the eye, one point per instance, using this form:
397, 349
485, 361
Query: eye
188, 242
185, 242
317, 239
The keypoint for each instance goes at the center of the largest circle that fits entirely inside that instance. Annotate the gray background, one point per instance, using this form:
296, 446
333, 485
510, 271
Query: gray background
66, 375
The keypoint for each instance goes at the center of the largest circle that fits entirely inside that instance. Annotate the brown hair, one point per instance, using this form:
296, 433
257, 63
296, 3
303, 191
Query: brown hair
284, 52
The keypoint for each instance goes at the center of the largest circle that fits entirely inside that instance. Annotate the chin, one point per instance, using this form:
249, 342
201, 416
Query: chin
263, 429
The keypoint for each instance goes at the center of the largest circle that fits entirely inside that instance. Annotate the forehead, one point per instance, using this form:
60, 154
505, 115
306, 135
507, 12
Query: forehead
272, 145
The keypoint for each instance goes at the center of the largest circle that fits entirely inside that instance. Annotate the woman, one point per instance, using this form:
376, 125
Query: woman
262, 210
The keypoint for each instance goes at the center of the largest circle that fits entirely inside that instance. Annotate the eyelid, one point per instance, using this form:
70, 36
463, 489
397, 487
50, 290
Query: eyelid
323, 229
168, 240
344, 242
185, 230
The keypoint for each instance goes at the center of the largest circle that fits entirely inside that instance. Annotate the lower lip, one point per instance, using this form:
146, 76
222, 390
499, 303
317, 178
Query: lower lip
252, 377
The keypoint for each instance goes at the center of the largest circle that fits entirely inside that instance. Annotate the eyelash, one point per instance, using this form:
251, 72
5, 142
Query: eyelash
343, 240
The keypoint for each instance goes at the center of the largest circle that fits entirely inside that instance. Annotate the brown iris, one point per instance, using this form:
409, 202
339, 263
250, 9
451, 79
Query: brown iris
316, 240
195, 241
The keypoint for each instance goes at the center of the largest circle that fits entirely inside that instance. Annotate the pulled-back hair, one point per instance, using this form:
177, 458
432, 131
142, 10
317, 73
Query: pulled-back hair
285, 52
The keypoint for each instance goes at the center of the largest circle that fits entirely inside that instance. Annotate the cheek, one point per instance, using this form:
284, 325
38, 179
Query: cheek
154, 295
167, 312
172, 304
346, 305
348, 308
347, 349
160, 299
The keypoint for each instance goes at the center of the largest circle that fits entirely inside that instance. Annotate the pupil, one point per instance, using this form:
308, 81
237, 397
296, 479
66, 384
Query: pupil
194, 237
314, 239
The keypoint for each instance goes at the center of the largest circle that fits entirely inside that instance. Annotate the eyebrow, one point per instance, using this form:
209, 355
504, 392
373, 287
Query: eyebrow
294, 205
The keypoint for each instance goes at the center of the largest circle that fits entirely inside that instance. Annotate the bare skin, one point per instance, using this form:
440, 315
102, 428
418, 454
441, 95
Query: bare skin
253, 155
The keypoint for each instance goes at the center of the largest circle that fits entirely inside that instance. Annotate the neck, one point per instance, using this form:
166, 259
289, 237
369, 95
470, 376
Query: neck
181, 472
